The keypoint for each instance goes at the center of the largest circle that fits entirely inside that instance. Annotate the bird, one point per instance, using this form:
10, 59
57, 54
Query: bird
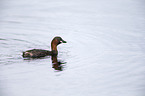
38, 53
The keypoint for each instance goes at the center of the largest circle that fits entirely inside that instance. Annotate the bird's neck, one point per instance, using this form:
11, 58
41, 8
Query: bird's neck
54, 48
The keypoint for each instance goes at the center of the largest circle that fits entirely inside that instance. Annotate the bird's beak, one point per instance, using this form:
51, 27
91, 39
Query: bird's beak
63, 41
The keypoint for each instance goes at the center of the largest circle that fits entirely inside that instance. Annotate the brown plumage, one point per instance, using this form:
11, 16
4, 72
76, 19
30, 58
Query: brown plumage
37, 53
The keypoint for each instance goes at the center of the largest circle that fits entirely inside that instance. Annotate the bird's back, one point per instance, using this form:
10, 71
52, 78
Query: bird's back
36, 53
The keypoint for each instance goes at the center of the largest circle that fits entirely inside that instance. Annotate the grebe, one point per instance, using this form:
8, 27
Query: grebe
37, 53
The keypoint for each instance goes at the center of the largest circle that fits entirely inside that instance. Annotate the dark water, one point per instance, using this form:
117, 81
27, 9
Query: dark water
104, 54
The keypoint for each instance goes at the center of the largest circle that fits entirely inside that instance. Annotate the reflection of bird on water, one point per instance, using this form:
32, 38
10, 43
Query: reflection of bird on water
37, 53
57, 65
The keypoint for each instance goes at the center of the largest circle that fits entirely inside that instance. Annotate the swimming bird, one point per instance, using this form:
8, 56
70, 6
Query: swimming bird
37, 53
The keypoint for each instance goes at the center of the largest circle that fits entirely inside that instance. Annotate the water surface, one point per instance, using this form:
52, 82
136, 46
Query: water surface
104, 54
